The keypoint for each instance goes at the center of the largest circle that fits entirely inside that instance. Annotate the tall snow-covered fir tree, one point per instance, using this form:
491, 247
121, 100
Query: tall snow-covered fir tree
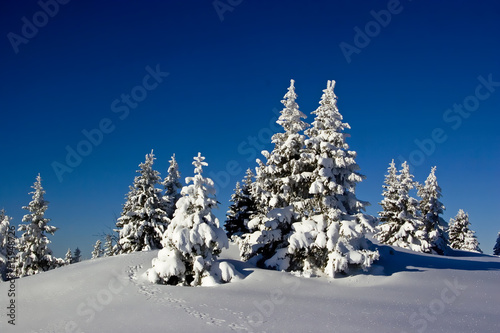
460, 236
108, 246
496, 248
68, 259
172, 187
431, 209
401, 225
33, 253
193, 239
97, 252
242, 207
330, 236
4, 243
77, 256
278, 190
143, 219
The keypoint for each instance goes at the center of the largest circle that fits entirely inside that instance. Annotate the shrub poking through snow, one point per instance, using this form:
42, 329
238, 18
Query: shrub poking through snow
193, 239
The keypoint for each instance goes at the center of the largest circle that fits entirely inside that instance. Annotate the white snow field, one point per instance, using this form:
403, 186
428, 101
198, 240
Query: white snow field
404, 292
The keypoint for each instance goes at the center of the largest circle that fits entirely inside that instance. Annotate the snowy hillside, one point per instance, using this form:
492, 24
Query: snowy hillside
404, 292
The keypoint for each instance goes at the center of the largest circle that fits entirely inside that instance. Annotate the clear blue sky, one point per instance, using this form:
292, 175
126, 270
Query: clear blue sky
225, 77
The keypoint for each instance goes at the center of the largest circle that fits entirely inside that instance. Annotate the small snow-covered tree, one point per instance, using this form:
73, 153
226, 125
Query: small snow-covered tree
193, 239
5, 239
143, 219
172, 187
69, 257
330, 235
77, 256
242, 207
97, 252
278, 190
108, 246
430, 209
34, 254
400, 225
496, 248
460, 236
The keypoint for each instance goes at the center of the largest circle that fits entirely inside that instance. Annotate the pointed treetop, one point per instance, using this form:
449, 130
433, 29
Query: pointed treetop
290, 96
329, 96
290, 118
199, 164
150, 156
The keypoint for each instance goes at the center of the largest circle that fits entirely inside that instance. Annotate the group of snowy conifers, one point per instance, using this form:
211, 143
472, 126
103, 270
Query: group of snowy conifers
417, 225
302, 214
298, 212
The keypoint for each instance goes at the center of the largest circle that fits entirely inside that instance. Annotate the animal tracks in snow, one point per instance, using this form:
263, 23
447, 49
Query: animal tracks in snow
159, 295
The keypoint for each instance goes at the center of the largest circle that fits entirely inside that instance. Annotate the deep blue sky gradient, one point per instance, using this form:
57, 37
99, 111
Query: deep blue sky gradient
225, 79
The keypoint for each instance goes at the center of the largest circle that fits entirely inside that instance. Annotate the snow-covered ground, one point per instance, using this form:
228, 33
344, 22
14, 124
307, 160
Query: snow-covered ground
404, 292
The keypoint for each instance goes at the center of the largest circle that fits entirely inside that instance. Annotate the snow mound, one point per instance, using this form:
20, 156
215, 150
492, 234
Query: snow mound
404, 292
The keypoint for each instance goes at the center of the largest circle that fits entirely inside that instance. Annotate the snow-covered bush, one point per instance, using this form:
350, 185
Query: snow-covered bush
193, 239
460, 236
143, 219
33, 253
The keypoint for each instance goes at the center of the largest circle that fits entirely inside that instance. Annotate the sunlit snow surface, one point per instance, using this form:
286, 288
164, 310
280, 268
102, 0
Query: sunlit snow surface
404, 292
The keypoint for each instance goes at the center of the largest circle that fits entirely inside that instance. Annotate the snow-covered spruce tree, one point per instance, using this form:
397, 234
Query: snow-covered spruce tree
430, 209
234, 224
278, 190
68, 259
108, 246
143, 219
496, 248
77, 256
193, 239
242, 207
172, 187
33, 253
97, 252
400, 225
460, 236
331, 234
4, 243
